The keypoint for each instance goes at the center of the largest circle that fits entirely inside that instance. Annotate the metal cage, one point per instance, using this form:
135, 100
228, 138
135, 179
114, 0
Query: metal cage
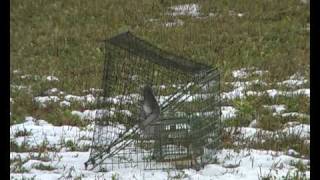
189, 129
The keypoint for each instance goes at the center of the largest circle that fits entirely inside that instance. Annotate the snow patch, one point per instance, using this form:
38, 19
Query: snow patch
241, 73
246, 83
16, 71
290, 114
273, 92
45, 99
29, 118
305, 91
276, 108
53, 91
65, 104
52, 78
260, 72
42, 131
254, 93
93, 90
293, 82
228, 112
84, 99
185, 9
232, 13
19, 87
302, 130
26, 76
99, 113
236, 93
255, 134
177, 22
90, 114
292, 152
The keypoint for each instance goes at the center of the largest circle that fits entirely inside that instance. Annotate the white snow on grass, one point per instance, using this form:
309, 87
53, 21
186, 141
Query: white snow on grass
278, 109
237, 165
177, 22
238, 84
296, 114
230, 164
124, 99
45, 99
65, 104
236, 93
240, 14
260, 72
232, 13
99, 113
53, 91
297, 76
90, 114
291, 123
26, 76
40, 131
292, 152
16, 71
301, 130
19, 87
249, 133
246, 72
255, 134
185, 9
88, 98
254, 93
228, 112
273, 92
293, 82
305, 92
37, 77
51, 78
241, 73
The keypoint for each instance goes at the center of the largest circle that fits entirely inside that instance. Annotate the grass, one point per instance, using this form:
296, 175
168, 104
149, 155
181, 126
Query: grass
15, 147
74, 146
63, 39
17, 165
270, 36
64, 43
277, 141
22, 133
44, 167
25, 147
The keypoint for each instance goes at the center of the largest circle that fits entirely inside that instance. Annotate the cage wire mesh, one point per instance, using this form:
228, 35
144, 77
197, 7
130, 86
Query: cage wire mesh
188, 130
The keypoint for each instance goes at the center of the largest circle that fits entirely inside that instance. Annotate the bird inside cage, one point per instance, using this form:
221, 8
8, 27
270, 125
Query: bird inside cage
149, 112
150, 119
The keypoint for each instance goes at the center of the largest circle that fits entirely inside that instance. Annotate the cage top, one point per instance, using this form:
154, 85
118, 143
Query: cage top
144, 49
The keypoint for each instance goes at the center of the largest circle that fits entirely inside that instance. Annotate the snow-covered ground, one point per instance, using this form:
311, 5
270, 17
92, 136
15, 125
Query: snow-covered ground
244, 164
71, 143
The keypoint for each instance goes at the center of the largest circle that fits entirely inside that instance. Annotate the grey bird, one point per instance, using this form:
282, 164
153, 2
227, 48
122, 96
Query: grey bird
150, 112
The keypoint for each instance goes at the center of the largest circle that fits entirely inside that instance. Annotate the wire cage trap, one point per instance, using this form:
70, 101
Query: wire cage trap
187, 130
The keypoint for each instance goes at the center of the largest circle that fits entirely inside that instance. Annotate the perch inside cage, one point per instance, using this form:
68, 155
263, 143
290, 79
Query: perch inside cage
185, 130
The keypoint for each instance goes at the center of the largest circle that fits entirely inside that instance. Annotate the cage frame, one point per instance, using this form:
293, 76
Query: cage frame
135, 46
